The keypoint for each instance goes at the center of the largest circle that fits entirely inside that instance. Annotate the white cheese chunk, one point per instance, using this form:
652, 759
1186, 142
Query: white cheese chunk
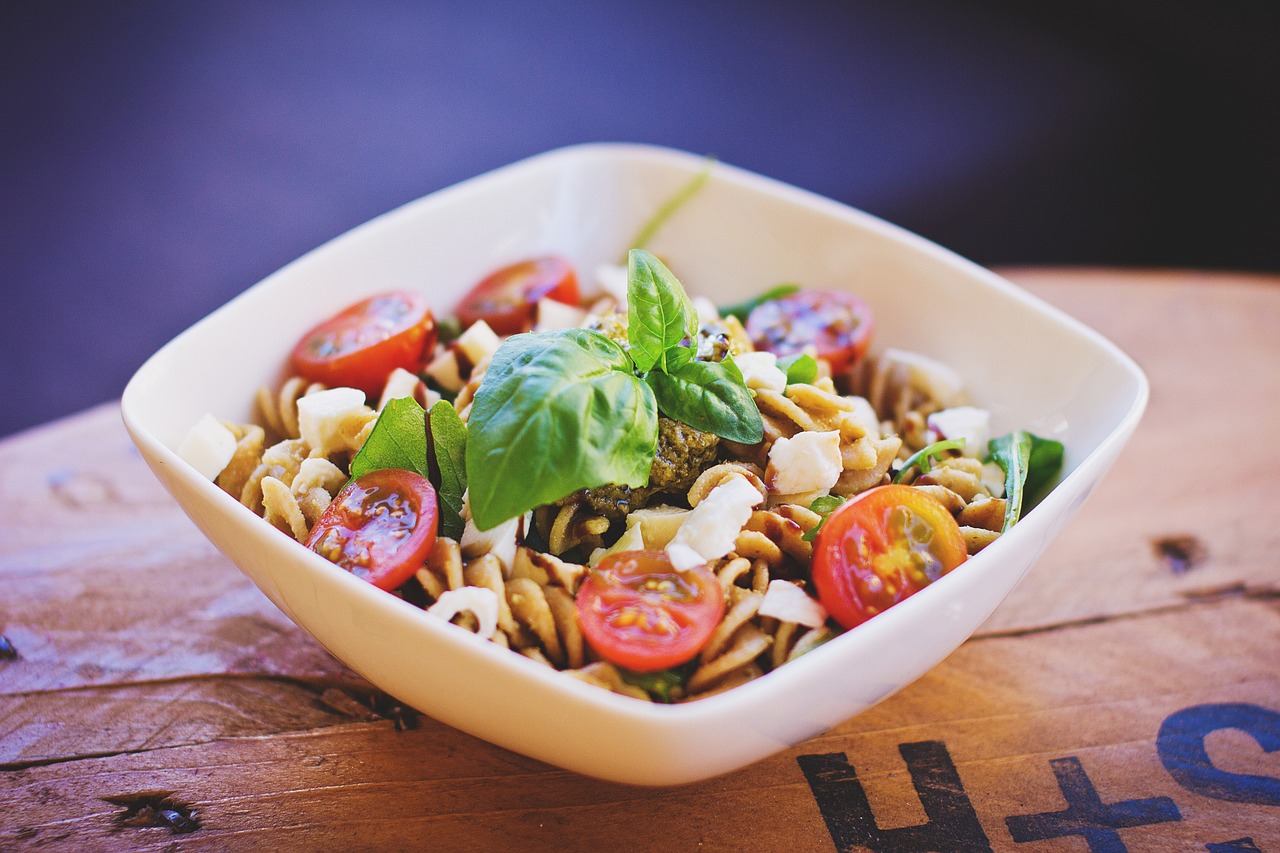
553, 316
500, 541
787, 602
444, 370
479, 601
938, 380
612, 279
478, 343
401, 383
208, 447
964, 422
711, 528
809, 461
657, 524
322, 414
760, 370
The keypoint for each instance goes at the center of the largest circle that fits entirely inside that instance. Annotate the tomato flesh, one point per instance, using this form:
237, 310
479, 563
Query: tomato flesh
641, 613
361, 345
380, 527
837, 324
507, 299
881, 547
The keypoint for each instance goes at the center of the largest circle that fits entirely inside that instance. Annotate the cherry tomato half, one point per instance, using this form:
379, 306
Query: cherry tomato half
380, 527
881, 547
360, 346
641, 613
837, 324
507, 298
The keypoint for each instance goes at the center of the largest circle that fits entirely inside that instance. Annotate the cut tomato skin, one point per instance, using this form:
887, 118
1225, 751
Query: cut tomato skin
837, 324
361, 345
881, 547
639, 612
507, 298
381, 527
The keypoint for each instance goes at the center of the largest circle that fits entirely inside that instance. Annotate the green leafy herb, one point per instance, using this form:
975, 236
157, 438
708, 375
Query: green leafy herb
660, 685
742, 310
671, 205
707, 396
823, 506
801, 368
1029, 463
923, 458
556, 412
447, 438
398, 440
659, 313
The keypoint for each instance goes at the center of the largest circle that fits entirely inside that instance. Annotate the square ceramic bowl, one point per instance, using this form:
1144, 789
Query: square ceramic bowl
1033, 367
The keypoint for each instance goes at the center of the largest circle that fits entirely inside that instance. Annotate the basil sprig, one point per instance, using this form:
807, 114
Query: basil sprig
1029, 463
561, 411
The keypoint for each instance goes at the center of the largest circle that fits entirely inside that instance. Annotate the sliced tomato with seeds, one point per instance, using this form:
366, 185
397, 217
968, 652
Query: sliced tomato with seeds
640, 612
881, 547
380, 527
360, 346
837, 324
507, 299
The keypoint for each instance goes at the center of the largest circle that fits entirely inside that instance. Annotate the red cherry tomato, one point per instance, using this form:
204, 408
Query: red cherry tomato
881, 547
836, 323
507, 298
359, 347
641, 613
380, 527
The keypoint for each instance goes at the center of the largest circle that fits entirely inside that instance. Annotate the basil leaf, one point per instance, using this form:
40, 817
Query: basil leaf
801, 368
823, 506
923, 458
707, 395
556, 412
659, 313
447, 438
398, 440
1029, 463
742, 310
1044, 466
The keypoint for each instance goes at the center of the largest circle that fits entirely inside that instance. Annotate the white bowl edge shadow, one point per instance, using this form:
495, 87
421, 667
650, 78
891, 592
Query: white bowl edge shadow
470, 684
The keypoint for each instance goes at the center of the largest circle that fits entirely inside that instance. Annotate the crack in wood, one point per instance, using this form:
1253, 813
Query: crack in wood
155, 809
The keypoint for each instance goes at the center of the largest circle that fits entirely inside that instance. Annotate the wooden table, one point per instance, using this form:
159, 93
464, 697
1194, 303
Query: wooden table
1126, 696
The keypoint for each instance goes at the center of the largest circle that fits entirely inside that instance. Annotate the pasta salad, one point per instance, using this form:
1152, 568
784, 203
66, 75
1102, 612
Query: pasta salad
650, 493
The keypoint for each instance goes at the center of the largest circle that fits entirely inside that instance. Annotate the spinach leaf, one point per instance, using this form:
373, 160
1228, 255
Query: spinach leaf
447, 439
923, 458
707, 396
801, 368
742, 310
556, 412
659, 312
398, 440
1029, 463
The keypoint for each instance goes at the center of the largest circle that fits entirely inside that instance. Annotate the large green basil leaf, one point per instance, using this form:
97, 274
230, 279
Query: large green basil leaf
398, 440
556, 412
448, 442
659, 312
709, 396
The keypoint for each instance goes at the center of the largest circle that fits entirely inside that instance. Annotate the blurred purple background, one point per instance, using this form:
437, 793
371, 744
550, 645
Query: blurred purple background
157, 158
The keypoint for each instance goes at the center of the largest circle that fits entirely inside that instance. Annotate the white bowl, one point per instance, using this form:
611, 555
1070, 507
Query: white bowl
1032, 366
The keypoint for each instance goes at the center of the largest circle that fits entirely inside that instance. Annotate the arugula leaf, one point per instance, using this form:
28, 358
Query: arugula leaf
823, 506
398, 440
659, 312
556, 412
800, 368
447, 439
1016, 454
742, 310
923, 458
706, 396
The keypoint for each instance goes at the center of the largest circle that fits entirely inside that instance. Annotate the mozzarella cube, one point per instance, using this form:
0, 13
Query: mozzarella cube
711, 528
208, 447
322, 414
401, 383
444, 370
477, 344
787, 602
969, 423
808, 462
553, 316
760, 370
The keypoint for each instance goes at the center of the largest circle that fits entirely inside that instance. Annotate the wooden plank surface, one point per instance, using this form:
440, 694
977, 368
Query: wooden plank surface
1126, 696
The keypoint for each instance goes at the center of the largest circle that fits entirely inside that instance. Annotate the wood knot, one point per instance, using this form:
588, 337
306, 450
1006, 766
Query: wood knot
1180, 553
155, 808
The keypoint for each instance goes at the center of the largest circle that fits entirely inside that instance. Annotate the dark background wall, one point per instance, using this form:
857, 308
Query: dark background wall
157, 158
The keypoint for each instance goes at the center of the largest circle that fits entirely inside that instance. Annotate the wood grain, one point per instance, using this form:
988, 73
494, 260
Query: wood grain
145, 664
